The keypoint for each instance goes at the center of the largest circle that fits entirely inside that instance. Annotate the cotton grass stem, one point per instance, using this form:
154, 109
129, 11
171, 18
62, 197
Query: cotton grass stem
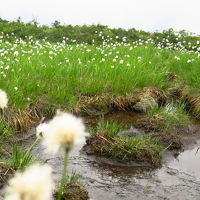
31, 147
63, 180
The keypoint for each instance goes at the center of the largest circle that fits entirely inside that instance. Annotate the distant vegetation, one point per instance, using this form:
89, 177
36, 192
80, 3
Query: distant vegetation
92, 33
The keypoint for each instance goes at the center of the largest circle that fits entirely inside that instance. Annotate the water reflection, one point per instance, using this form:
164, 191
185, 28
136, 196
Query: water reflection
188, 161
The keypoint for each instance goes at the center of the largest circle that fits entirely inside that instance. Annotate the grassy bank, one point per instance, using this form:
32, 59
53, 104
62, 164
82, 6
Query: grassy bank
40, 77
37, 73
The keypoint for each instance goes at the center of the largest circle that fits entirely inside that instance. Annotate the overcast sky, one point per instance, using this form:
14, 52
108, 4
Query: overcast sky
149, 15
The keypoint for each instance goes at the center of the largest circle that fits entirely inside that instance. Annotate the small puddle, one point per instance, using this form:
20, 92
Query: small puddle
188, 161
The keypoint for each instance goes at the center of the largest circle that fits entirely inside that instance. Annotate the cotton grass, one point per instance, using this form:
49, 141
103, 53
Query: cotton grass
62, 132
41, 128
3, 99
35, 183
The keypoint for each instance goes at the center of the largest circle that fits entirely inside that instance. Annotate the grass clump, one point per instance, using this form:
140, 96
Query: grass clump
17, 160
169, 116
138, 149
21, 159
105, 142
73, 188
74, 191
107, 128
5, 130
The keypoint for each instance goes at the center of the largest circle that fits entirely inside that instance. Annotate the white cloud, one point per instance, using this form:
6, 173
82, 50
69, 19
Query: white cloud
143, 14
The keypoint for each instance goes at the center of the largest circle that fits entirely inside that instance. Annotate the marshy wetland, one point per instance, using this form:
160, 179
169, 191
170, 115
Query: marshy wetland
139, 101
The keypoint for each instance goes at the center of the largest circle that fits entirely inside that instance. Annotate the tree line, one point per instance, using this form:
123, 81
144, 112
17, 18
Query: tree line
90, 33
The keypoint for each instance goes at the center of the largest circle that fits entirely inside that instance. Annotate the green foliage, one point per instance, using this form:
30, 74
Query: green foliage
108, 128
74, 178
56, 75
169, 116
139, 148
147, 187
126, 149
21, 159
88, 34
5, 130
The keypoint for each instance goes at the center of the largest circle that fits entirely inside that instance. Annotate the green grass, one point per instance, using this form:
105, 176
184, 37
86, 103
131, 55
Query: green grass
139, 149
5, 130
169, 116
74, 178
57, 74
108, 128
39, 76
20, 159
74, 191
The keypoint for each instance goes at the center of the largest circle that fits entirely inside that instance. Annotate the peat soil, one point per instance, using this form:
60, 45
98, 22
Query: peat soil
178, 178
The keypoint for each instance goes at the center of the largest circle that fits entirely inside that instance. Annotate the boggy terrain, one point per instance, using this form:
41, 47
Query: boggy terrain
148, 141
105, 178
138, 100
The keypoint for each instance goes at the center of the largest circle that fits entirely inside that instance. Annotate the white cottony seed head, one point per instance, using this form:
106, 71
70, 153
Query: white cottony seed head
3, 99
34, 183
62, 132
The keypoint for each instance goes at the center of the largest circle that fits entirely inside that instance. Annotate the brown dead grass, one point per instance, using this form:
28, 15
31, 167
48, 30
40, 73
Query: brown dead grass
22, 120
94, 105
108, 102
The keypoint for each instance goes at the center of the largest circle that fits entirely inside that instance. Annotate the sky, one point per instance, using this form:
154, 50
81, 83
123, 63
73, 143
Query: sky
148, 15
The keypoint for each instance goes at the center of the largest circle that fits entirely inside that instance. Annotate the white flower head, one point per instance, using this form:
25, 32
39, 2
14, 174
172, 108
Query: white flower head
62, 132
3, 99
176, 57
7, 67
16, 53
34, 183
41, 128
121, 62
